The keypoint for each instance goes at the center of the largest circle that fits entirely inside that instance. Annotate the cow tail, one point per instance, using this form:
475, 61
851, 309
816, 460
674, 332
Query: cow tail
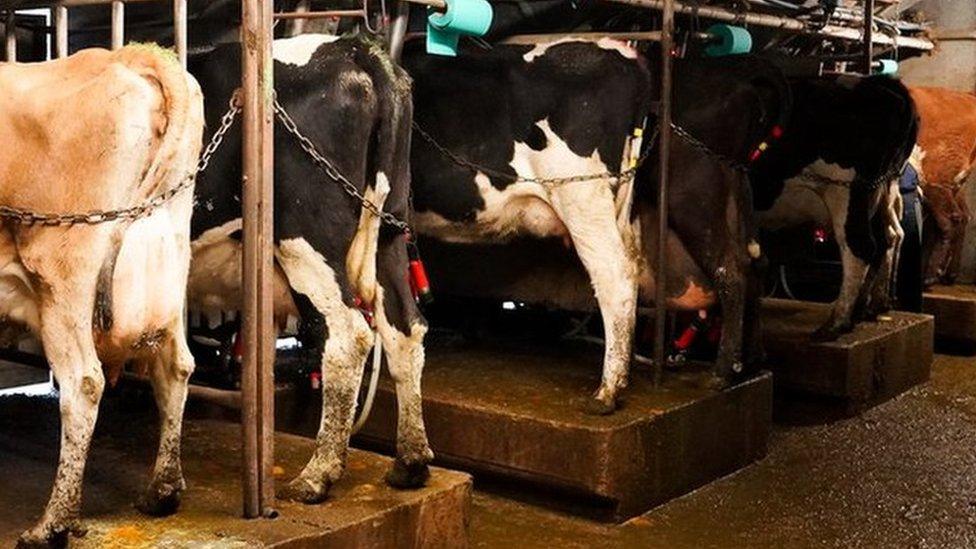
162, 68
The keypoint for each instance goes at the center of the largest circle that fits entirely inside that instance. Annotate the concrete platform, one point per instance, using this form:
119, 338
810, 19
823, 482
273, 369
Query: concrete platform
954, 309
360, 512
514, 416
875, 362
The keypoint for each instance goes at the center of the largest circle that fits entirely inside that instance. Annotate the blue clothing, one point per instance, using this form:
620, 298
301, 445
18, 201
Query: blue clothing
909, 180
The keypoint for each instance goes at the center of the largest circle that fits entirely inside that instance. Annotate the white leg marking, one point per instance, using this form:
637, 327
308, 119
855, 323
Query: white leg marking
343, 360
405, 358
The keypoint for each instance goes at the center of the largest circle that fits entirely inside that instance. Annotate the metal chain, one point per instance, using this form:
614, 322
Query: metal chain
698, 144
548, 182
330, 169
27, 217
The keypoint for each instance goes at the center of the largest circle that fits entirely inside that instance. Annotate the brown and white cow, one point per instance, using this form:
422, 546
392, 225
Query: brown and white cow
101, 131
947, 138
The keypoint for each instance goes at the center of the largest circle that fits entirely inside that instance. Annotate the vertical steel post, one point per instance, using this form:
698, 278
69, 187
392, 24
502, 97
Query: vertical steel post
10, 35
60, 31
118, 24
257, 413
179, 30
398, 29
664, 150
868, 35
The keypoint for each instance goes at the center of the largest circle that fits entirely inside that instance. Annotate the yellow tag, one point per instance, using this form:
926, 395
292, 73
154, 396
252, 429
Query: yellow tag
638, 132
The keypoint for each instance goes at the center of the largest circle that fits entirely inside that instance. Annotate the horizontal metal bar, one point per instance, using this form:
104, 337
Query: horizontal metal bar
953, 34
784, 23
319, 14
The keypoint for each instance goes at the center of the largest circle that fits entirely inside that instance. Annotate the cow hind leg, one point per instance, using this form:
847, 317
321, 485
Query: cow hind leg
854, 268
879, 296
66, 334
347, 342
588, 211
402, 328
960, 222
940, 204
169, 372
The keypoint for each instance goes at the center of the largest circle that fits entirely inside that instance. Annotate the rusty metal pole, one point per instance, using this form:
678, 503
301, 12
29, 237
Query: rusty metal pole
257, 387
118, 24
10, 36
868, 35
60, 31
664, 150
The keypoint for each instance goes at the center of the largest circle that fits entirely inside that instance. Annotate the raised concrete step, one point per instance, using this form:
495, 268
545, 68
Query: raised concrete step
515, 413
954, 309
875, 362
361, 510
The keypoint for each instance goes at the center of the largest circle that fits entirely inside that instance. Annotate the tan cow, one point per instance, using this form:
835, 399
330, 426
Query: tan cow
947, 137
101, 131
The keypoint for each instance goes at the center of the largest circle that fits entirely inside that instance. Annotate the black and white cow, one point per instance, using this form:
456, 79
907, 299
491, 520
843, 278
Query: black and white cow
354, 104
493, 123
844, 147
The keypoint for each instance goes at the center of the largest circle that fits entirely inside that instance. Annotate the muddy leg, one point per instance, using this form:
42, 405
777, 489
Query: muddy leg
960, 220
402, 327
347, 342
731, 284
855, 271
940, 204
66, 333
169, 373
588, 211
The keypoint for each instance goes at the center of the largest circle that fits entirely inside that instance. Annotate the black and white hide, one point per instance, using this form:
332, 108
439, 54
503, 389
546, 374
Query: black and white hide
841, 153
354, 104
499, 133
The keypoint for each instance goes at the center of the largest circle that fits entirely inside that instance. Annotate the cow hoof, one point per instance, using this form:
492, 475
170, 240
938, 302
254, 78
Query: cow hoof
827, 333
405, 476
303, 491
597, 407
161, 500
51, 535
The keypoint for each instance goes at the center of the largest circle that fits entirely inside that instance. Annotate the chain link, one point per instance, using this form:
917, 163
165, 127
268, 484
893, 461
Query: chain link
330, 169
548, 182
700, 145
27, 217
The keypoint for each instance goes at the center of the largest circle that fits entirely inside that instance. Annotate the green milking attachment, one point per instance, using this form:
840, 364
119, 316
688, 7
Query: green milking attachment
463, 17
885, 67
727, 40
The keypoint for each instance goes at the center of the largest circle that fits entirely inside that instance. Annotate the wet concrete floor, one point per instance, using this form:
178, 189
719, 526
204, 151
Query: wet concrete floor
902, 474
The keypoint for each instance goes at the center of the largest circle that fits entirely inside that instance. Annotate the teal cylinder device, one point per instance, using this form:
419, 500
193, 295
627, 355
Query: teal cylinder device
886, 67
728, 40
468, 17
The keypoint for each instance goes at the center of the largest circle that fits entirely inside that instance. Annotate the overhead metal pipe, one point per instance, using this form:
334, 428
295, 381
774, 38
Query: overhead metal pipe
777, 22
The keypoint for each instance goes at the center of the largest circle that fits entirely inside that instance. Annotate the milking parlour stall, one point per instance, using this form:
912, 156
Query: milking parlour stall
492, 273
